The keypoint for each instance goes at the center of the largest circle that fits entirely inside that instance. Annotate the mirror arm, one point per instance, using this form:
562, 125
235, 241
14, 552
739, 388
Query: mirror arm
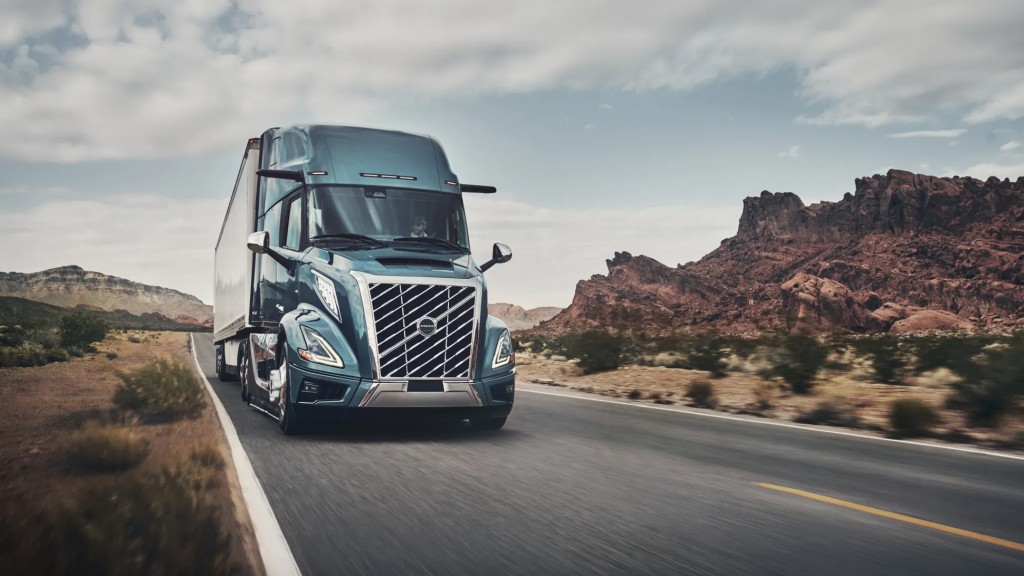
488, 264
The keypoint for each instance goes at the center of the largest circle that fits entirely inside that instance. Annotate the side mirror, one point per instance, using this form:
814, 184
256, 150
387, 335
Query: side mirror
501, 253
259, 242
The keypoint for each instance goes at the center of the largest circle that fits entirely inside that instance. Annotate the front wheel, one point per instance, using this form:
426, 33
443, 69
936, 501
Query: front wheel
287, 419
488, 423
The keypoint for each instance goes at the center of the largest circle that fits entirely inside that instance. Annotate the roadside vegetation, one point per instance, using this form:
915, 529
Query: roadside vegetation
135, 485
954, 386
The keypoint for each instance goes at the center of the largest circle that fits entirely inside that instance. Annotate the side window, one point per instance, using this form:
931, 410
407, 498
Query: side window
293, 224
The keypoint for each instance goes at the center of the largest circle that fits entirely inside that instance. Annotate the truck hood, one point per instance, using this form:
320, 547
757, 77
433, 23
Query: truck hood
389, 261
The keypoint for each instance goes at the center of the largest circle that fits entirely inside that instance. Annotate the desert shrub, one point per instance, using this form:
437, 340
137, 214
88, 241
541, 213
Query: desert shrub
111, 355
992, 383
831, 411
162, 391
911, 417
208, 456
153, 524
135, 340
25, 355
708, 354
764, 394
952, 352
670, 360
12, 336
82, 330
45, 337
635, 394
886, 357
56, 354
596, 351
99, 448
702, 393
800, 358
75, 352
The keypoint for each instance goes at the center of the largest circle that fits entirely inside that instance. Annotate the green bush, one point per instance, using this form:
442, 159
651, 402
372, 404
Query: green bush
156, 524
597, 351
162, 391
81, 330
952, 352
992, 383
800, 358
911, 417
635, 394
12, 336
111, 355
702, 393
887, 360
708, 354
26, 355
98, 448
135, 340
831, 411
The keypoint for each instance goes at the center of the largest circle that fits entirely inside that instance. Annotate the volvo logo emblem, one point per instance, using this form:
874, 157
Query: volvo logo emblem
426, 326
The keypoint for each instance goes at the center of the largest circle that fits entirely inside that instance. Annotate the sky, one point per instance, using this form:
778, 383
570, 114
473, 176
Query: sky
605, 125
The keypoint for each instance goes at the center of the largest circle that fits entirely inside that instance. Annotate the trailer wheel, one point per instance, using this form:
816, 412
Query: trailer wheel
287, 419
488, 423
222, 365
243, 370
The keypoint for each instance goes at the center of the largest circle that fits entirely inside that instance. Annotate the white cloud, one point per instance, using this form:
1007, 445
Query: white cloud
791, 152
985, 171
161, 241
1009, 146
145, 78
553, 249
930, 133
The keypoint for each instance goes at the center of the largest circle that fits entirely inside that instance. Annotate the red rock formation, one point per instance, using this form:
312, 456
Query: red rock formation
899, 245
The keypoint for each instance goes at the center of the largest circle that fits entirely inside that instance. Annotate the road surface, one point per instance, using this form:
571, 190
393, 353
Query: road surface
575, 486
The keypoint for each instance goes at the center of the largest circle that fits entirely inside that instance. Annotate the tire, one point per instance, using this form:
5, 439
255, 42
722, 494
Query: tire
222, 366
288, 421
487, 423
243, 371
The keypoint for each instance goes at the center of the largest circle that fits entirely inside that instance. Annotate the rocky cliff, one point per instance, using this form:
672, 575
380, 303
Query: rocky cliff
71, 286
519, 318
902, 252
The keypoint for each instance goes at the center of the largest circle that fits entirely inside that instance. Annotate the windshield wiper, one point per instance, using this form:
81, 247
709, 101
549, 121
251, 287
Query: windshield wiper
434, 241
348, 236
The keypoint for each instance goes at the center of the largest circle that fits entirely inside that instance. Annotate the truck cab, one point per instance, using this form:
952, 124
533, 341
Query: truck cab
360, 290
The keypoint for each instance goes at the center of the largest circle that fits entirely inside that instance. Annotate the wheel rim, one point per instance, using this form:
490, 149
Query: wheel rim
243, 376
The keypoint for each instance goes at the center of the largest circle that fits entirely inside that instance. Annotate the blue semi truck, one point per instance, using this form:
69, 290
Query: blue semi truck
344, 283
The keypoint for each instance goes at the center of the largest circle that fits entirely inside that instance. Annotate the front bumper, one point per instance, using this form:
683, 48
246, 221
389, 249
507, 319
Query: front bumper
316, 390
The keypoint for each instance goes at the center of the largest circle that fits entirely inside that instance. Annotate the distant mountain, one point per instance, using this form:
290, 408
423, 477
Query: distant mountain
71, 286
519, 318
28, 313
903, 252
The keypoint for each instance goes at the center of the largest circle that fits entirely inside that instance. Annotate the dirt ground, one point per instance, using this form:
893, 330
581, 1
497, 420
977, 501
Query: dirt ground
852, 391
44, 405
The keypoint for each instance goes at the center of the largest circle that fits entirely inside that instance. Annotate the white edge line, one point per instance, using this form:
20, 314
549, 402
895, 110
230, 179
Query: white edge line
807, 428
277, 556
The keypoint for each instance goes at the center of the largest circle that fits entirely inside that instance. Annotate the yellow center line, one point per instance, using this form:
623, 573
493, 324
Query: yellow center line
894, 516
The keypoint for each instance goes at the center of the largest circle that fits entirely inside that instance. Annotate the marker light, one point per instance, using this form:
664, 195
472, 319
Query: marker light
318, 350
325, 288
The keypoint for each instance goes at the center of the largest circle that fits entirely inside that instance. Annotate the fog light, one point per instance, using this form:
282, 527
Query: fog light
510, 389
310, 388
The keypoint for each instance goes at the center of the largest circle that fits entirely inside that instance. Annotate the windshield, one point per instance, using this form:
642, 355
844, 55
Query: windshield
387, 214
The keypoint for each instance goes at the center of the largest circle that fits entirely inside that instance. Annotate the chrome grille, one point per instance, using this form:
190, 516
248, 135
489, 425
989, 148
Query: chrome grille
403, 350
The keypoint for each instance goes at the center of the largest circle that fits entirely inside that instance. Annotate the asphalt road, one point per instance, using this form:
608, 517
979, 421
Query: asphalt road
574, 486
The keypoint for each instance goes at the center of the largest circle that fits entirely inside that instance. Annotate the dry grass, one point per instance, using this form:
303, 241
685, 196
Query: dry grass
106, 448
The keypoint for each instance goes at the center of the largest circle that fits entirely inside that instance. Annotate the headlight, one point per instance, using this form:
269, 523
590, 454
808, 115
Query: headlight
318, 350
504, 352
325, 288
